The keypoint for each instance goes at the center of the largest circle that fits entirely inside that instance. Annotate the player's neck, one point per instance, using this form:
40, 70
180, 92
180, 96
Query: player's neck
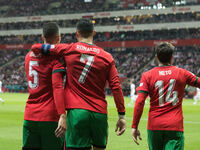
88, 41
49, 42
161, 65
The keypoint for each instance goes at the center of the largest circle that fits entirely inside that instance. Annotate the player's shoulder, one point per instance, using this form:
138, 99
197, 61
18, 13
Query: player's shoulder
149, 72
181, 70
30, 55
106, 55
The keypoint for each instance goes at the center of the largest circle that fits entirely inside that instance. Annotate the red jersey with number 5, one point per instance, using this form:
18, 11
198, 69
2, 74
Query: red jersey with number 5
41, 105
88, 69
165, 86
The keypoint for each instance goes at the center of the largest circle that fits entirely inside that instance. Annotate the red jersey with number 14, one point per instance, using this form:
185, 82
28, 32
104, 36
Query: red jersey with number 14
165, 87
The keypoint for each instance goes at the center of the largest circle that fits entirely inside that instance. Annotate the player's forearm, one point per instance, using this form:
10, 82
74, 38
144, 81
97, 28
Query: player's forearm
47, 49
138, 109
116, 89
59, 101
119, 101
58, 92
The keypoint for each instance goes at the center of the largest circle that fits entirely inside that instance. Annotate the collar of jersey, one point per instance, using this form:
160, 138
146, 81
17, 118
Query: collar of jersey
165, 66
88, 43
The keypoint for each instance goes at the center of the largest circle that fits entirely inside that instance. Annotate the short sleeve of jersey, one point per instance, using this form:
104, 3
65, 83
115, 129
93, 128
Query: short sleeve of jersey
143, 87
58, 66
191, 79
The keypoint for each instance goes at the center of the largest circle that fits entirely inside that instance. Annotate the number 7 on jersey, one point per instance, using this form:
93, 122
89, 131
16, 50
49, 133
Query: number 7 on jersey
89, 61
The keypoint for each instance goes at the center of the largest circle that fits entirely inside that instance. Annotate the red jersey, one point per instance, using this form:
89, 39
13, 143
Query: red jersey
88, 69
165, 86
41, 105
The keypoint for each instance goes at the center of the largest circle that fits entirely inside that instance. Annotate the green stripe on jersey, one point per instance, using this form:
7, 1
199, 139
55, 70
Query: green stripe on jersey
196, 81
58, 70
145, 92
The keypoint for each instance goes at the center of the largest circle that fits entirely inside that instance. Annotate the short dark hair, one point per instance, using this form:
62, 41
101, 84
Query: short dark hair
164, 52
50, 29
85, 27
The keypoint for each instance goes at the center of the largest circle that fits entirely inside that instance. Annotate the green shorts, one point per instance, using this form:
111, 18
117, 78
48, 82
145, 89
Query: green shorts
86, 128
41, 136
165, 140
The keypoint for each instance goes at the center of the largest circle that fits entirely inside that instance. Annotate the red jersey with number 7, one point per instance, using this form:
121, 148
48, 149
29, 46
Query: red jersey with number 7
88, 69
165, 86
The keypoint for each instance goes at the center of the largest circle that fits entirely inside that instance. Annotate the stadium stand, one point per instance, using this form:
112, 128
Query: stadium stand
121, 20
128, 29
130, 62
112, 36
49, 7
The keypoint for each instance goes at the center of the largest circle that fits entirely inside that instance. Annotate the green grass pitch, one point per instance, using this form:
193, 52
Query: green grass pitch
11, 121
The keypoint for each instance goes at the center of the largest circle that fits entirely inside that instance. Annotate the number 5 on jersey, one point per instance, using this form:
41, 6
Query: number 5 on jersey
34, 74
88, 60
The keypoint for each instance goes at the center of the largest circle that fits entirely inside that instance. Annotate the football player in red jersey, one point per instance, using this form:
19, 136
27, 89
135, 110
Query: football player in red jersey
165, 86
89, 67
45, 116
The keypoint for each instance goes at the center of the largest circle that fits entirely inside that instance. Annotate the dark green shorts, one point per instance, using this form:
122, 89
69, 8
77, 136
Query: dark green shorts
41, 135
165, 140
86, 128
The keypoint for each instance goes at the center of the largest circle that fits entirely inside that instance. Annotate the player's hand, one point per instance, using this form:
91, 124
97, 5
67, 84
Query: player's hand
62, 126
135, 134
120, 126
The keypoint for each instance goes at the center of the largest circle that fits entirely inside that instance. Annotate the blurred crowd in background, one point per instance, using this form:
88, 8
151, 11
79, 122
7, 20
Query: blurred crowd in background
130, 62
50, 7
111, 36
127, 20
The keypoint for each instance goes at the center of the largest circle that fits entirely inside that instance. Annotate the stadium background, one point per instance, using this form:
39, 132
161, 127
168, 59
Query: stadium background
128, 29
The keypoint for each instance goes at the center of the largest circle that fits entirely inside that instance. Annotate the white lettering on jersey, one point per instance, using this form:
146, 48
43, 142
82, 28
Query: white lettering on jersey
83, 48
163, 73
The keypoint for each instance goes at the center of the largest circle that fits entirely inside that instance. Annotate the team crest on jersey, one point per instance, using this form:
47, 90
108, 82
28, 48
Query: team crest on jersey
141, 84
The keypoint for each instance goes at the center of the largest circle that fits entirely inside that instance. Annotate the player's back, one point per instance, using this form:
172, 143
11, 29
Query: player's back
40, 105
88, 68
165, 86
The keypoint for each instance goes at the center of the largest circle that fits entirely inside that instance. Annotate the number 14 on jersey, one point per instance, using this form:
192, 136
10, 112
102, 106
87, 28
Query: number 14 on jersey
171, 96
